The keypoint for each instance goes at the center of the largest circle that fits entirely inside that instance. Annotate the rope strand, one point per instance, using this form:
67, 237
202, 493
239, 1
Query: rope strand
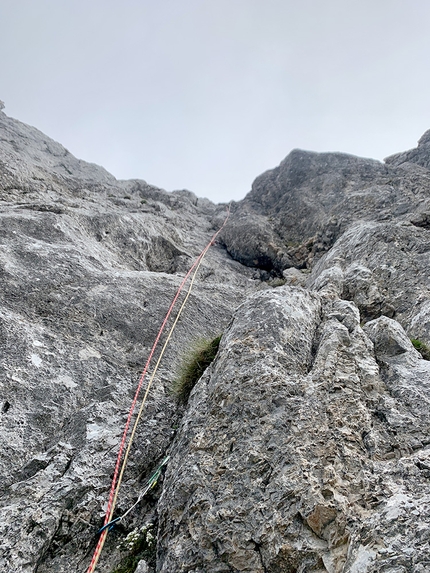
119, 473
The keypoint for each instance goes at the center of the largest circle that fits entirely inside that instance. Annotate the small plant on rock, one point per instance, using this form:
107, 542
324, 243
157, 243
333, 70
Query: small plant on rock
422, 348
139, 544
277, 282
195, 362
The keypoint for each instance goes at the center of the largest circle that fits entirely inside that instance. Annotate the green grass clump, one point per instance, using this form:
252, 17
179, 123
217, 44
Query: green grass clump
193, 365
422, 348
277, 282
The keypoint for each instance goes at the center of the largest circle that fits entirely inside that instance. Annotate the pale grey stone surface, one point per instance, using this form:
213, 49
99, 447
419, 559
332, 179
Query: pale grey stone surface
294, 277
88, 267
305, 445
385, 269
296, 212
142, 567
313, 457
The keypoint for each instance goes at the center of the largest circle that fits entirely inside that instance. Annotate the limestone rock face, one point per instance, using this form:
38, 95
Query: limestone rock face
304, 205
311, 457
419, 156
88, 268
305, 446
385, 269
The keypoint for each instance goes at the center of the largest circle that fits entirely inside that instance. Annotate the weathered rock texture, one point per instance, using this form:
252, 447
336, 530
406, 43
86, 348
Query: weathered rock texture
88, 267
296, 212
310, 457
304, 447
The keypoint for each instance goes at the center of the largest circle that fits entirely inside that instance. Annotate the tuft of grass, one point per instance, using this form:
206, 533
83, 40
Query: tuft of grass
422, 348
277, 282
194, 363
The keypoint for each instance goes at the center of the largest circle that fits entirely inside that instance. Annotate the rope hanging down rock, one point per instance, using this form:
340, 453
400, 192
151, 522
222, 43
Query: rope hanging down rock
152, 482
120, 462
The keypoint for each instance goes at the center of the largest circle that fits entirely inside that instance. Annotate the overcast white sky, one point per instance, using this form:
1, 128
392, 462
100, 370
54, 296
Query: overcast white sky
207, 94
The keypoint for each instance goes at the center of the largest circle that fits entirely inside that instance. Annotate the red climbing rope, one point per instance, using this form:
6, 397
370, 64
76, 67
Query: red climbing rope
113, 489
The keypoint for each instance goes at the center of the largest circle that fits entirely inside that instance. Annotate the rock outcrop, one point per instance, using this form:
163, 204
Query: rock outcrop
88, 267
295, 213
310, 457
419, 156
305, 446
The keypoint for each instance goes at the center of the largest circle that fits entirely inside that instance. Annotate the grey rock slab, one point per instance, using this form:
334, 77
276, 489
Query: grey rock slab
28, 154
295, 212
384, 268
304, 446
224, 481
407, 378
285, 460
391, 532
294, 277
88, 268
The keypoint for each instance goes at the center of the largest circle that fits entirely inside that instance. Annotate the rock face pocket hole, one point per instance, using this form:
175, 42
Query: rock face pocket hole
5, 407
